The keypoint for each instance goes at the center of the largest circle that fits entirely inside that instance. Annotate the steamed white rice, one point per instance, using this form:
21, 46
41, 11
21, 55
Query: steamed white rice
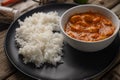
37, 41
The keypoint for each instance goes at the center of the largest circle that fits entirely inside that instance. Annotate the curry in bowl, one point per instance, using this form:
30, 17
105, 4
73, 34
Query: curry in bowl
89, 26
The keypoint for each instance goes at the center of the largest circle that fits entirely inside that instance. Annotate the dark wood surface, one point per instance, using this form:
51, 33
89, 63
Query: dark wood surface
9, 72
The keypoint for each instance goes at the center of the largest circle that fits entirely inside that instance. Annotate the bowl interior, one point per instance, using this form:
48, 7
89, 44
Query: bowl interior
85, 8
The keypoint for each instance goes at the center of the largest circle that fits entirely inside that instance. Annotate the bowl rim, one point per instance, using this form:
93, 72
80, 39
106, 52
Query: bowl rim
90, 5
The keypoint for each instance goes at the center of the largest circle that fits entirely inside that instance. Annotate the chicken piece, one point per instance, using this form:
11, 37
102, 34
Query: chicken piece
77, 28
72, 34
107, 31
107, 22
75, 18
92, 29
97, 19
88, 18
82, 23
101, 37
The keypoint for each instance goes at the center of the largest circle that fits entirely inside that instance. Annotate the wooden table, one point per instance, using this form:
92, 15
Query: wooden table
9, 72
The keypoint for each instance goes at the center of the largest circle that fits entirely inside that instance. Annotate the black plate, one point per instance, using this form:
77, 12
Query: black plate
77, 65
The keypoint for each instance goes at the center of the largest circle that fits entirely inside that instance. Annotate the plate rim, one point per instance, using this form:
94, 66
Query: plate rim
29, 75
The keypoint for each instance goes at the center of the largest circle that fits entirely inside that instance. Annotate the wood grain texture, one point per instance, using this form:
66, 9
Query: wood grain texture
106, 3
25, 6
5, 66
113, 74
19, 76
116, 9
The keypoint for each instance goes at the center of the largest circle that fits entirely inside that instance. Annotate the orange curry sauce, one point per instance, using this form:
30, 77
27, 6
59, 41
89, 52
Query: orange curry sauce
89, 26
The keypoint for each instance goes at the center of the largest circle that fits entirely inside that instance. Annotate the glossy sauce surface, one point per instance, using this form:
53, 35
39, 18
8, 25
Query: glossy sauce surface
89, 26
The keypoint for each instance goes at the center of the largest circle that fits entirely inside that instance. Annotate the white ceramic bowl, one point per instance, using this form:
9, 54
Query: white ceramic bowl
84, 45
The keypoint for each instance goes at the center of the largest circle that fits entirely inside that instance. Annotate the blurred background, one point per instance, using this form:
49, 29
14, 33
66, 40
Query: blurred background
11, 9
